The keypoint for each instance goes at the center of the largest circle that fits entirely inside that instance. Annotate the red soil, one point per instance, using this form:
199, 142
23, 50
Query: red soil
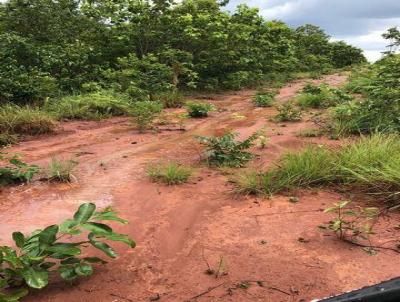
180, 229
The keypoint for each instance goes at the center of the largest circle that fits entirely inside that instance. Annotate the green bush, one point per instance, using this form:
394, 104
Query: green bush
91, 106
363, 165
144, 113
287, 112
198, 110
170, 173
321, 96
39, 255
25, 120
226, 151
264, 99
15, 171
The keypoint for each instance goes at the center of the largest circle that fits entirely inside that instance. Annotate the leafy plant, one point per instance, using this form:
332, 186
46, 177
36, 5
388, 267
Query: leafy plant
287, 112
197, 109
15, 170
321, 96
169, 173
264, 99
60, 170
351, 224
226, 151
43, 252
144, 113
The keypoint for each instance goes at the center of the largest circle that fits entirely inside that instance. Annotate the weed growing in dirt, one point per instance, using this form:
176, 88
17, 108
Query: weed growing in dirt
288, 112
42, 253
61, 170
363, 165
198, 110
90, 106
13, 170
171, 99
169, 173
264, 99
25, 120
144, 113
226, 151
351, 224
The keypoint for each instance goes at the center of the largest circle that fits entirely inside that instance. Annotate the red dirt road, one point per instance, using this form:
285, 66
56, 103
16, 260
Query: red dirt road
271, 250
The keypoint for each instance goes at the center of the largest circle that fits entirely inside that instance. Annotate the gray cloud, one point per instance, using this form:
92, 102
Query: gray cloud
359, 22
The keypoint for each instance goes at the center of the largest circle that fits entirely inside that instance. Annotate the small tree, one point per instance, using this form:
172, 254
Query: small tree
144, 113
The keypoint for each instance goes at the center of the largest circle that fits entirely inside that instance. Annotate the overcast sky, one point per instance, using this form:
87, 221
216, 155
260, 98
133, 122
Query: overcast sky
358, 22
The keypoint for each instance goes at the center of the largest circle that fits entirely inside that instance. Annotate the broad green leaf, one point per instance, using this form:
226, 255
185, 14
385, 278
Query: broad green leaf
84, 269
35, 278
19, 239
48, 235
84, 212
109, 214
104, 247
94, 260
122, 238
67, 272
14, 295
67, 227
97, 228
65, 249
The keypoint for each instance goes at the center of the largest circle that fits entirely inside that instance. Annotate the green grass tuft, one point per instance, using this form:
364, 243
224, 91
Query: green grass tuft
60, 170
169, 173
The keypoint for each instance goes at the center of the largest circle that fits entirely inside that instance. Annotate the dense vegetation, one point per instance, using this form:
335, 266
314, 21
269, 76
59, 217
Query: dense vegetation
146, 48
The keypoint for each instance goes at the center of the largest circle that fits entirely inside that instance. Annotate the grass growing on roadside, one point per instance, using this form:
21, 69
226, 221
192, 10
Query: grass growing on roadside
171, 99
8, 139
25, 120
370, 165
61, 170
321, 96
309, 133
169, 173
90, 106
144, 113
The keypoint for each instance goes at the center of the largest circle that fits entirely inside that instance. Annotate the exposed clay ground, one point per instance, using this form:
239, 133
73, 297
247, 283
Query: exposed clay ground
179, 229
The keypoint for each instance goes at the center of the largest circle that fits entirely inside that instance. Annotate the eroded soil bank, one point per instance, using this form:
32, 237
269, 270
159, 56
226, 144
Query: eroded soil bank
270, 250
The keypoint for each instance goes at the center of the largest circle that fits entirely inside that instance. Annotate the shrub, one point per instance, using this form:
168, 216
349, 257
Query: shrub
264, 99
363, 165
25, 120
60, 170
170, 173
144, 113
91, 106
15, 171
226, 151
197, 110
42, 253
321, 96
171, 99
287, 112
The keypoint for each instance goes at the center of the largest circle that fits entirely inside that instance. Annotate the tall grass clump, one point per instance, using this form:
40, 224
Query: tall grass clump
61, 170
264, 99
25, 120
90, 106
171, 99
370, 165
169, 173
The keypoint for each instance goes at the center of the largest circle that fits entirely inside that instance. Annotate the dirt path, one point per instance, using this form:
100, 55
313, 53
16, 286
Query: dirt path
181, 229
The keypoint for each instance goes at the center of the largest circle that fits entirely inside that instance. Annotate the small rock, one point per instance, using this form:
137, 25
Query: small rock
155, 298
